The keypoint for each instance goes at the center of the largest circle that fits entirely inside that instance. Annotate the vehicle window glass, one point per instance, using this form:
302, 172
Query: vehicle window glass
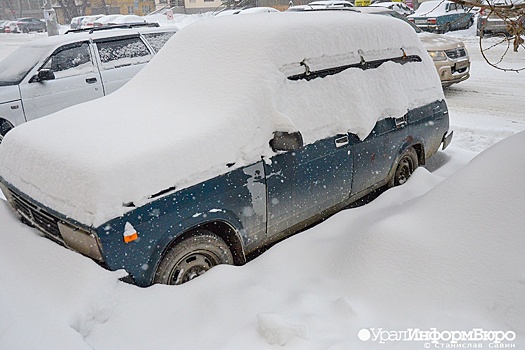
17, 65
123, 52
70, 60
157, 40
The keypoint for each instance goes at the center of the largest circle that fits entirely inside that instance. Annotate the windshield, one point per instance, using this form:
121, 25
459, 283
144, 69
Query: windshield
15, 67
426, 7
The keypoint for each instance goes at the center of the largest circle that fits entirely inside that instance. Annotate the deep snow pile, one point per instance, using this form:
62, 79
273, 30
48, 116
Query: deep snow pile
433, 253
74, 160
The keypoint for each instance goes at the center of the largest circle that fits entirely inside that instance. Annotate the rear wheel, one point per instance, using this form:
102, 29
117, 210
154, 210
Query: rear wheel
192, 257
408, 162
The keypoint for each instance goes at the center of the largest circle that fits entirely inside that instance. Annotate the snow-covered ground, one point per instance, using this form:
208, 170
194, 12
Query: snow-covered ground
443, 251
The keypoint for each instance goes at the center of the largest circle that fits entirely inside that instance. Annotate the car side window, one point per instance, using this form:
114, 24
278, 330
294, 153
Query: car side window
157, 40
70, 60
122, 52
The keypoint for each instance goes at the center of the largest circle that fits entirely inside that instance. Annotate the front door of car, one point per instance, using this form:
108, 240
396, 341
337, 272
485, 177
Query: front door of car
74, 79
120, 59
305, 182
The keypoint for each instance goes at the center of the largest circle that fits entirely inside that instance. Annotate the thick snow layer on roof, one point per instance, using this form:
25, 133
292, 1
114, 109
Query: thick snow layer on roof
221, 90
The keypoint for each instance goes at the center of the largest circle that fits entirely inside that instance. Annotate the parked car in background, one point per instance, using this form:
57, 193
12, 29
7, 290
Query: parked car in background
89, 21
76, 22
105, 20
322, 5
399, 7
442, 16
52, 73
29, 24
127, 19
166, 184
11, 27
490, 22
449, 54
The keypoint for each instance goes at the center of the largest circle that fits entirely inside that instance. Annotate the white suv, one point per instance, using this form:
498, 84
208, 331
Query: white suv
53, 73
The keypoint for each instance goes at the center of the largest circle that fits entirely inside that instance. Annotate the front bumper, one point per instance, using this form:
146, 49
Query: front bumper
452, 72
51, 226
447, 139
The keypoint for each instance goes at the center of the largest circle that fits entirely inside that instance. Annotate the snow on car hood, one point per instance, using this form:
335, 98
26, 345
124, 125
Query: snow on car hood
213, 96
435, 42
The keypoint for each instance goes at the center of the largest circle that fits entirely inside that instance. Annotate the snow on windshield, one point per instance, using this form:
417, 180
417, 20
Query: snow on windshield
16, 66
214, 96
434, 7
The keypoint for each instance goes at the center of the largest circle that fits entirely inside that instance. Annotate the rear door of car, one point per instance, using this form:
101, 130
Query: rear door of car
120, 59
76, 80
375, 155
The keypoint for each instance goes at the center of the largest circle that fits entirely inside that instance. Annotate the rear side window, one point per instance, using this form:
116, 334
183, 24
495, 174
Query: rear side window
123, 52
157, 40
70, 60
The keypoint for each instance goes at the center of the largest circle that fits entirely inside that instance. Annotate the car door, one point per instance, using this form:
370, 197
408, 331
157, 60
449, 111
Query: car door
307, 181
120, 59
76, 80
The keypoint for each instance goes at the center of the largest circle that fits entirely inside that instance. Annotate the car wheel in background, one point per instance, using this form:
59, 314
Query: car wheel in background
191, 257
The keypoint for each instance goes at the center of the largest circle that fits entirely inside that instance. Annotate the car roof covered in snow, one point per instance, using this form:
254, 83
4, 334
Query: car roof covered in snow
213, 97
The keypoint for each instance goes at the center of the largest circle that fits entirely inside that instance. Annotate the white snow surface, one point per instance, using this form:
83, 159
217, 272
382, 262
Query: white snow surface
443, 251
220, 104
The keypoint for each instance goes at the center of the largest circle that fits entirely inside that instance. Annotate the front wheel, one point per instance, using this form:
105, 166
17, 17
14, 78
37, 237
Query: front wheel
192, 257
408, 162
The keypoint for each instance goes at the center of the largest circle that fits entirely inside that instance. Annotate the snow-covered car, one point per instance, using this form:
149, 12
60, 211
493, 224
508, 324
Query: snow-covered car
89, 21
442, 16
449, 54
322, 5
178, 172
399, 7
106, 20
245, 11
489, 21
76, 22
126, 19
52, 73
11, 27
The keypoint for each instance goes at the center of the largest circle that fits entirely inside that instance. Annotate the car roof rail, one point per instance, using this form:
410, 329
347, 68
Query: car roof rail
114, 26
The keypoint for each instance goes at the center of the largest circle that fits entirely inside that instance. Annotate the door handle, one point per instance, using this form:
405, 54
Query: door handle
401, 121
91, 80
341, 141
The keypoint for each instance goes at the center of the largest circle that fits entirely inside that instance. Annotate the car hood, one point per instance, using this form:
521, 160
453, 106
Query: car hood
9, 93
437, 42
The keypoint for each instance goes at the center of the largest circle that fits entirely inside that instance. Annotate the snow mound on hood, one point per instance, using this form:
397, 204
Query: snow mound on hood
214, 96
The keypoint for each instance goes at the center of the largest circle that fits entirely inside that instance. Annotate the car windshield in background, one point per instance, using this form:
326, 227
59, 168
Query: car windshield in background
15, 67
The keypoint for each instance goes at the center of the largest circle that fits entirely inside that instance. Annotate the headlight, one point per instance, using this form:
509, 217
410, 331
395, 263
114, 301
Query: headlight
438, 55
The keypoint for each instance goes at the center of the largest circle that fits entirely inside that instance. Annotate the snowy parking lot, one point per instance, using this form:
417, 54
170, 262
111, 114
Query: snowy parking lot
442, 253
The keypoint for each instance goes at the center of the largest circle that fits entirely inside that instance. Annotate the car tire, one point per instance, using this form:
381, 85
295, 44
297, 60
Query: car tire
192, 257
408, 162
5, 127
25, 30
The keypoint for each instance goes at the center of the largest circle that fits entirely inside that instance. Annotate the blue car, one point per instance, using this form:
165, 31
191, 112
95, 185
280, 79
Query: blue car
442, 16
291, 134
